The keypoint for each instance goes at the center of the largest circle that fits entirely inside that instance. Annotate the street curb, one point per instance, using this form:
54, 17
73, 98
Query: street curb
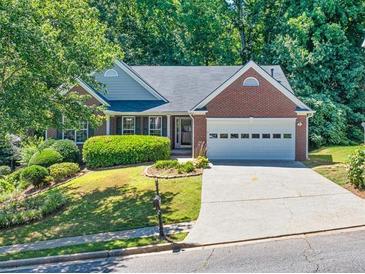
92, 255
150, 249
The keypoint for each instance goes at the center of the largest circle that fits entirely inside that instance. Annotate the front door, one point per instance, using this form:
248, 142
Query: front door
183, 132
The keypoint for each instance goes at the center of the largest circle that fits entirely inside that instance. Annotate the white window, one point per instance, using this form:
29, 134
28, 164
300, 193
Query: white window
79, 135
251, 82
128, 125
111, 73
155, 125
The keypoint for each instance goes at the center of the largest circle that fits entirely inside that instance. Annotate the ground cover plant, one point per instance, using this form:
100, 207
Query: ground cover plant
31, 209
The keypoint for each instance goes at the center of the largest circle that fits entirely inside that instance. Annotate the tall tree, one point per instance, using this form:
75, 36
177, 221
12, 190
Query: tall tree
319, 47
171, 32
44, 46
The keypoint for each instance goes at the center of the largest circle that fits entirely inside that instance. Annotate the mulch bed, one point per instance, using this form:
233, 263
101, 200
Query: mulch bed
153, 172
354, 190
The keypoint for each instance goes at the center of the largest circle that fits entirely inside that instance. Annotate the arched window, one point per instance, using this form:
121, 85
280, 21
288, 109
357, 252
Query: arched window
111, 73
251, 82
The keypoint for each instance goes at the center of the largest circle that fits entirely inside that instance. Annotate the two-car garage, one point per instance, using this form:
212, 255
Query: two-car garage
251, 138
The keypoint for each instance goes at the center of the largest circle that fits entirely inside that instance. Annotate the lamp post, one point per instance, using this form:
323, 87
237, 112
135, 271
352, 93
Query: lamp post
157, 205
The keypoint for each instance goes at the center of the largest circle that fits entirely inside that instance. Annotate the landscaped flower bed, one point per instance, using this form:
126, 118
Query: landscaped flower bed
32, 209
174, 169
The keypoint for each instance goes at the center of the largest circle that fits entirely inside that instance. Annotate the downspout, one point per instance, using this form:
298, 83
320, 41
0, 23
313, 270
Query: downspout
307, 134
192, 132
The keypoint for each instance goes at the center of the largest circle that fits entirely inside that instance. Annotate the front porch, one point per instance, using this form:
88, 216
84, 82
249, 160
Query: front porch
179, 128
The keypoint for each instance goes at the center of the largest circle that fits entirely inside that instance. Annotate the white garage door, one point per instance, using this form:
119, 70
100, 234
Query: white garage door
251, 138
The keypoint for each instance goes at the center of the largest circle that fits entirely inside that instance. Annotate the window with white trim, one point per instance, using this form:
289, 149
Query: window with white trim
79, 136
128, 125
251, 82
155, 125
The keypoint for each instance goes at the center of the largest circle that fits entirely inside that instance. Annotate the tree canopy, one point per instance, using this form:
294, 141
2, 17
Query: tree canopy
46, 44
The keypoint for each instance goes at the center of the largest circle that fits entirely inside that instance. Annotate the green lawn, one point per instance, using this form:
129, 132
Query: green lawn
112, 200
331, 162
82, 248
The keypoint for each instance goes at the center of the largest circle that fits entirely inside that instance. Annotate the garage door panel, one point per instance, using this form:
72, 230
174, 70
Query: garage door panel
241, 148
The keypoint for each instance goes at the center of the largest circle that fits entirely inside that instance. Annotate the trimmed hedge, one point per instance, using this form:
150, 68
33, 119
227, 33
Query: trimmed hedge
31, 209
68, 149
35, 175
46, 158
62, 171
106, 151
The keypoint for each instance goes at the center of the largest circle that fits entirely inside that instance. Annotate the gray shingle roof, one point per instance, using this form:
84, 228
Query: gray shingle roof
186, 86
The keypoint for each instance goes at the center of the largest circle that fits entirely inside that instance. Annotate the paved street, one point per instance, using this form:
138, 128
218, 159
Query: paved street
330, 252
257, 199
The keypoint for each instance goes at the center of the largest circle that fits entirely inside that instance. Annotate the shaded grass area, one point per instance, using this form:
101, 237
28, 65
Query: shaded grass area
90, 247
112, 200
330, 162
330, 155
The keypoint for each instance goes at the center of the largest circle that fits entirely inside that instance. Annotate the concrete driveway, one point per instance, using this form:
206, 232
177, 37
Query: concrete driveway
253, 200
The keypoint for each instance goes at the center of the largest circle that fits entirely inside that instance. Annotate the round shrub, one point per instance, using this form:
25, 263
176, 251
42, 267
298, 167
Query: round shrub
68, 149
105, 151
46, 144
31, 209
46, 158
186, 167
356, 169
63, 171
4, 170
34, 175
6, 186
15, 177
166, 164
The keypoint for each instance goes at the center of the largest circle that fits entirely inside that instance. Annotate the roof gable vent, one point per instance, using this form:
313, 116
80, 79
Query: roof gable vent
111, 73
251, 82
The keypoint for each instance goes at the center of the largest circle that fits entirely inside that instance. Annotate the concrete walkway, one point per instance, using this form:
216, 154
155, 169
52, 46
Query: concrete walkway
101, 237
251, 200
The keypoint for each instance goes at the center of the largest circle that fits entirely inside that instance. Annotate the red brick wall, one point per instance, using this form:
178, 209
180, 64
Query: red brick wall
200, 133
301, 138
264, 101
52, 132
91, 101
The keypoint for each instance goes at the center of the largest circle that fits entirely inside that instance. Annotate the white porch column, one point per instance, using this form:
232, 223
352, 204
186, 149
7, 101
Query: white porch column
168, 127
107, 124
